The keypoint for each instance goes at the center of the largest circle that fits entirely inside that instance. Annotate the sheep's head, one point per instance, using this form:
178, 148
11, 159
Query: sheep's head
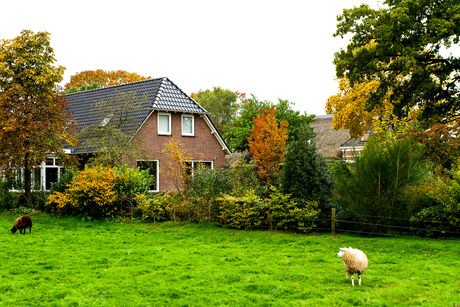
14, 229
343, 250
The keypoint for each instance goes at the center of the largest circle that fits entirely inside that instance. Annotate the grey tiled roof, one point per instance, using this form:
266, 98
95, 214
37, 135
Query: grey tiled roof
161, 94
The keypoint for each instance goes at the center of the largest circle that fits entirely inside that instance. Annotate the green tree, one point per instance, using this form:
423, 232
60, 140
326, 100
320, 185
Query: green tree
111, 136
33, 114
220, 103
305, 173
402, 46
84, 87
243, 123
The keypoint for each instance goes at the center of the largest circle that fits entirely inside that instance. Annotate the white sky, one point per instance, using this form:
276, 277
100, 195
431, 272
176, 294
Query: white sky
272, 49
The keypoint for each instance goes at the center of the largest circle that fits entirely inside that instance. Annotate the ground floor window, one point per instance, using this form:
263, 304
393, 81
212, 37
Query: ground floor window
192, 166
42, 175
152, 167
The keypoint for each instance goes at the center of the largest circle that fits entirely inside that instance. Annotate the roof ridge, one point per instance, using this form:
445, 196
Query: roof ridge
118, 85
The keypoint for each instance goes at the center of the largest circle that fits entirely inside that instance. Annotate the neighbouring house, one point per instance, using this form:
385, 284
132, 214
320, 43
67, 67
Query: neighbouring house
336, 144
166, 112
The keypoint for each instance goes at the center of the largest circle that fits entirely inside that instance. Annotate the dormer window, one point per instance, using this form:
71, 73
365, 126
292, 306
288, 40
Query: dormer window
106, 120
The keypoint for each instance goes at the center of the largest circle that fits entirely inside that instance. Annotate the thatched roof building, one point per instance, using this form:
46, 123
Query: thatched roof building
328, 140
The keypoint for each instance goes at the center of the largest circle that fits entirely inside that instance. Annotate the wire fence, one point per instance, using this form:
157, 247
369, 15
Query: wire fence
393, 227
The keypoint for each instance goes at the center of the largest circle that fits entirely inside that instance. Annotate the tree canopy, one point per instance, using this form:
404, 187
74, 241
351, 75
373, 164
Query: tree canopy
404, 46
103, 78
249, 109
220, 103
268, 143
33, 114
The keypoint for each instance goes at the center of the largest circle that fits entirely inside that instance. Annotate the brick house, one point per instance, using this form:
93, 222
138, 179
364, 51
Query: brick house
166, 112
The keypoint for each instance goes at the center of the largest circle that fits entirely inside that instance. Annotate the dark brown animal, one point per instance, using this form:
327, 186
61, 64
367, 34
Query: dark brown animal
22, 223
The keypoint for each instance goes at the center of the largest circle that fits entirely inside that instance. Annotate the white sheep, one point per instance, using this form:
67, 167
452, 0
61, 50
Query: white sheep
355, 261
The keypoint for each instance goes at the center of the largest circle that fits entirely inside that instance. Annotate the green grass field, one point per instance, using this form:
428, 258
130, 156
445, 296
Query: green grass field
68, 262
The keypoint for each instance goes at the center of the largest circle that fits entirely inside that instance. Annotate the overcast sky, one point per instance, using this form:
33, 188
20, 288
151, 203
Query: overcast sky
272, 49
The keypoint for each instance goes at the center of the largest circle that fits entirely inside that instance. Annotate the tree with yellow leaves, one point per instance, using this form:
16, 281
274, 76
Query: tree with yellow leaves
351, 110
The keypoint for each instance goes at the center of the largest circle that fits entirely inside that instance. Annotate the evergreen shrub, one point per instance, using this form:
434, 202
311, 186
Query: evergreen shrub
377, 188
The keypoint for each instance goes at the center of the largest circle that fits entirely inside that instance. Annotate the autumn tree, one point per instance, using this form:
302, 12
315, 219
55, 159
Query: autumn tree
408, 58
103, 78
350, 110
220, 103
441, 143
34, 121
111, 135
268, 142
176, 167
237, 136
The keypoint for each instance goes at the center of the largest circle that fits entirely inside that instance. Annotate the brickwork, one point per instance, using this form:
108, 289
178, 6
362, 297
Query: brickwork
203, 145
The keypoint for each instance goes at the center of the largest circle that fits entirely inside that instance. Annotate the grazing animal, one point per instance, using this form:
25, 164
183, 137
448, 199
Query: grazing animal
355, 261
22, 223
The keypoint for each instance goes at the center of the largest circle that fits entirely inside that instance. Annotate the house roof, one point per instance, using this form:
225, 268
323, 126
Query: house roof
160, 95
328, 140
359, 143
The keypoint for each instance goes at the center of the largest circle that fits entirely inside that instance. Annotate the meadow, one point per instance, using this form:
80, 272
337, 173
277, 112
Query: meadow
71, 262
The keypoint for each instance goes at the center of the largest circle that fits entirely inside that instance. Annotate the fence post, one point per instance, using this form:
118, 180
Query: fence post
333, 223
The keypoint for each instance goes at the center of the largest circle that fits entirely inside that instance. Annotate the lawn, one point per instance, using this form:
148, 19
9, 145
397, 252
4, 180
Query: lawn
70, 262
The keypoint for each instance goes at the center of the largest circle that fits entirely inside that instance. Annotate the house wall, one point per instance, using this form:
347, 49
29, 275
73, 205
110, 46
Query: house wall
203, 145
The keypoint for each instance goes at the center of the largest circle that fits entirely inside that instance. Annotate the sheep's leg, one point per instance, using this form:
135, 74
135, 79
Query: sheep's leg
352, 279
359, 279
347, 275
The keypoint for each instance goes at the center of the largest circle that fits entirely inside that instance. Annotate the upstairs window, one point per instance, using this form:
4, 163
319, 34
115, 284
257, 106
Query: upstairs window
188, 125
164, 123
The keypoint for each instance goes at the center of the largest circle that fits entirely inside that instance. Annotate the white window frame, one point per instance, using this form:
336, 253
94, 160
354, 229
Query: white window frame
157, 173
42, 167
158, 119
193, 162
193, 125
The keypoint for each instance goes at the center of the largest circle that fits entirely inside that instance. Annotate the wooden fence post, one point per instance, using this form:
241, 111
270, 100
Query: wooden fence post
333, 223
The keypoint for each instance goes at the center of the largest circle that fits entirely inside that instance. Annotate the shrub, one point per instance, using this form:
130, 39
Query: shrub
100, 192
288, 213
7, 200
243, 176
376, 189
277, 211
153, 206
443, 217
205, 187
241, 212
